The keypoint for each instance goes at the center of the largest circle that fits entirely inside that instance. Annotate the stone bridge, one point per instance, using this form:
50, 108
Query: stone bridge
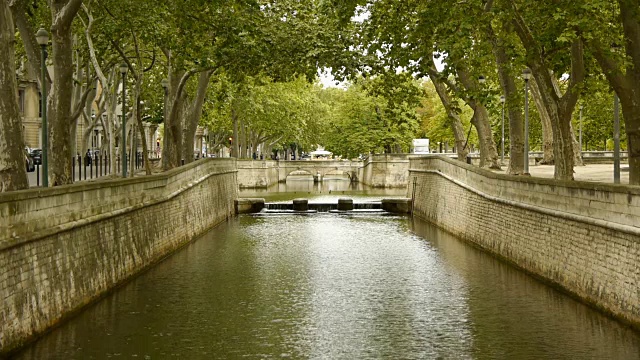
384, 170
319, 168
263, 173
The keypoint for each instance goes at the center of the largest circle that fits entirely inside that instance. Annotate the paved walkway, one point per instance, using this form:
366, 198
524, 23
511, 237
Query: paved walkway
592, 172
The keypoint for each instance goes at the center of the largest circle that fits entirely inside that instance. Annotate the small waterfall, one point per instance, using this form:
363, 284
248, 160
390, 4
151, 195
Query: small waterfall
278, 206
322, 207
377, 205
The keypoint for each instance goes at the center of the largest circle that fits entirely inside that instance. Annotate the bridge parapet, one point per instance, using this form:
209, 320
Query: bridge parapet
262, 174
379, 170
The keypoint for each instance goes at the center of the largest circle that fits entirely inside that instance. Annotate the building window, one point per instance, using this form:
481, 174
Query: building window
39, 104
21, 100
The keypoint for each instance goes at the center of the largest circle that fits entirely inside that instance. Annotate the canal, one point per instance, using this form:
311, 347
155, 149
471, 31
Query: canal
328, 286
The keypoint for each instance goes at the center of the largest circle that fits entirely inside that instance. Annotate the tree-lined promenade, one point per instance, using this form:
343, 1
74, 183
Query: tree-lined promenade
247, 72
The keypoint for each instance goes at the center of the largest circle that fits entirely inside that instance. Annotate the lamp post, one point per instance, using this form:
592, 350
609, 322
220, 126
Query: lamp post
502, 100
42, 37
526, 75
616, 139
580, 133
165, 87
481, 80
123, 151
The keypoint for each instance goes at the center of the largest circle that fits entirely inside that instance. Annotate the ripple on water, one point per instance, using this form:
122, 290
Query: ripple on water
332, 287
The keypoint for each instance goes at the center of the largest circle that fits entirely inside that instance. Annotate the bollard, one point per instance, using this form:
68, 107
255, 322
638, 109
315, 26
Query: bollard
300, 204
345, 204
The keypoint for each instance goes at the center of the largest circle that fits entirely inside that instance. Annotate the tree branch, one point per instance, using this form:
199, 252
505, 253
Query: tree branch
80, 105
66, 15
27, 34
92, 51
153, 62
610, 67
570, 97
124, 57
488, 6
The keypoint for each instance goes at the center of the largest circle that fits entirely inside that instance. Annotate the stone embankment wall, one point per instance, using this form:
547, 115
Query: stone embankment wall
61, 248
385, 171
257, 173
583, 237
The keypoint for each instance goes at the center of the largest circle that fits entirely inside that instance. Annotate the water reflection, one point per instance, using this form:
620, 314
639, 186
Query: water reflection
515, 316
328, 190
330, 287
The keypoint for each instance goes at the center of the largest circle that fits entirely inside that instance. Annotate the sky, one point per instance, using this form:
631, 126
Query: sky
327, 80
326, 77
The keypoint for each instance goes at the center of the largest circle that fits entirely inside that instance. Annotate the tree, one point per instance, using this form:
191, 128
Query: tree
63, 12
63, 107
611, 31
559, 107
437, 120
407, 35
13, 174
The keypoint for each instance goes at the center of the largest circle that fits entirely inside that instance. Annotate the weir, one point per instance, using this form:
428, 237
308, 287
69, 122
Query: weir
253, 206
325, 207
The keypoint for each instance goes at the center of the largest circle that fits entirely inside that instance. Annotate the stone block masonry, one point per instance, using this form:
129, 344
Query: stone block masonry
385, 171
61, 248
582, 237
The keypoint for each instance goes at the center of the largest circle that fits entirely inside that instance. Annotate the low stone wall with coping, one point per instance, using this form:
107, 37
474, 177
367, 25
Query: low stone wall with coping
62, 248
385, 170
583, 237
259, 174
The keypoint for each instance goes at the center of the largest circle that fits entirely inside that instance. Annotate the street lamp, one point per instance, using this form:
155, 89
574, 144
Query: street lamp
123, 152
165, 87
502, 100
616, 139
42, 37
526, 75
580, 133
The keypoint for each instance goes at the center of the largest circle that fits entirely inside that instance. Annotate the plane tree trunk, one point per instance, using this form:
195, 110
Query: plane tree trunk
13, 175
480, 120
559, 108
625, 79
60, 99
452, 115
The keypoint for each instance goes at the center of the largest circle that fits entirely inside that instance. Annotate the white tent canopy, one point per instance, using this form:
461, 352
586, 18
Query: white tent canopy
320, 152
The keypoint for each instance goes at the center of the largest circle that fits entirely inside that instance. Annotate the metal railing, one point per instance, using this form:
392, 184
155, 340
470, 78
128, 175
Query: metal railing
92, 167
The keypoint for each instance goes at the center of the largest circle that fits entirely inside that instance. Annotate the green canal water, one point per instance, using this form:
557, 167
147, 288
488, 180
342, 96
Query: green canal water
326, 286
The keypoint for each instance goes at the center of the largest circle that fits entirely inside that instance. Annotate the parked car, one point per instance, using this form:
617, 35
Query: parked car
36, 155
31, 167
